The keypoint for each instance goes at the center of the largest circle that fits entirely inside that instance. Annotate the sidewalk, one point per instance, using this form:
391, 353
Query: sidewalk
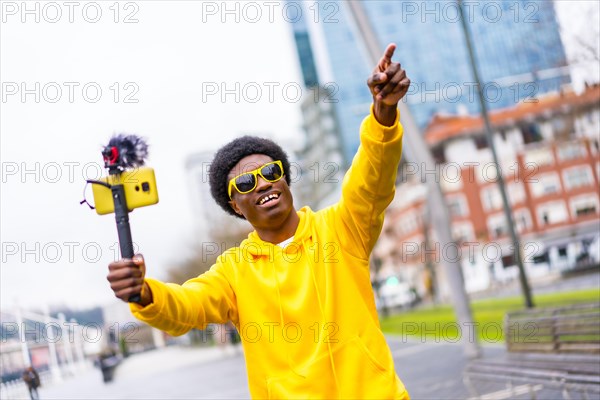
169, 373
429, 370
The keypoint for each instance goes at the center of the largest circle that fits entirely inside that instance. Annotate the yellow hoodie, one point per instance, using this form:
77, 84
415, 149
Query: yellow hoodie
306, 313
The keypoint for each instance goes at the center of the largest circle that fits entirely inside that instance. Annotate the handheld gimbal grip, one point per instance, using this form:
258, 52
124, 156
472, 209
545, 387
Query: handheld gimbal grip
123, 229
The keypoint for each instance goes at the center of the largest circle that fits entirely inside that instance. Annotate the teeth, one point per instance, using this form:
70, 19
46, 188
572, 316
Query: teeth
267, 198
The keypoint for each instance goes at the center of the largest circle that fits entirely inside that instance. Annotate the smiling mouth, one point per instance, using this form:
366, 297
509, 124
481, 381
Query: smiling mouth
268, 198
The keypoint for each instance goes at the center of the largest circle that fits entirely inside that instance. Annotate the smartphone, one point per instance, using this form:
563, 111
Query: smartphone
139, 185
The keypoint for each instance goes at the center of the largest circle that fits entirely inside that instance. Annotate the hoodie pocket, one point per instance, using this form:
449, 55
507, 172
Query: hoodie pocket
359, 376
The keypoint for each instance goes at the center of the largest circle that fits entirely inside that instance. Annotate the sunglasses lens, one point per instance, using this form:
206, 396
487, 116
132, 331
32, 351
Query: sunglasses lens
245, 183
271, 172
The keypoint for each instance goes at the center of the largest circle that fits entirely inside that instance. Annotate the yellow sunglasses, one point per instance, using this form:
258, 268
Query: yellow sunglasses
246, 182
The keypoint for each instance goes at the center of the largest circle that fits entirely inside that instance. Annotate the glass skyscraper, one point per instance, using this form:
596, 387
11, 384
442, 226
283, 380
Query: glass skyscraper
304, 51
517, 44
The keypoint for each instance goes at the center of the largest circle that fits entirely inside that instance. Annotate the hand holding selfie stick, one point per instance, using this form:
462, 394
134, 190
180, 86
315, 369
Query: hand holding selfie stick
123, 152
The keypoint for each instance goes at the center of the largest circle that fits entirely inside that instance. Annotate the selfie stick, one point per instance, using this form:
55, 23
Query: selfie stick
123, 152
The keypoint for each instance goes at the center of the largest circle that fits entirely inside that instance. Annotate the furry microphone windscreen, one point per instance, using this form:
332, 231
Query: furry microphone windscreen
132, 150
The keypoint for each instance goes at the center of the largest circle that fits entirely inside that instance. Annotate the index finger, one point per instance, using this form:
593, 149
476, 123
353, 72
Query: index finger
387, 56
389, 52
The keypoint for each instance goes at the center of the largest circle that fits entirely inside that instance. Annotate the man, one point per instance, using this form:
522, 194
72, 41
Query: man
298, 288
32, 380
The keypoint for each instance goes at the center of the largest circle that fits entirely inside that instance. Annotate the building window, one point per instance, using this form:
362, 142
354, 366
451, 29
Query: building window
457, 204
546, 184
553, 212
559, 126
409, 223
541, 258
481, 142
439, 155
491, 199
577, 177
508, 260
497, 226
462, 232
451, 185
562, 252
585, 205
516, 193
487, 173
539, 157
570, 151
531, 133
522, 219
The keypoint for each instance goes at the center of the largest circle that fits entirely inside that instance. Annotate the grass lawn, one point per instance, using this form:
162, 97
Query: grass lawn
439, 324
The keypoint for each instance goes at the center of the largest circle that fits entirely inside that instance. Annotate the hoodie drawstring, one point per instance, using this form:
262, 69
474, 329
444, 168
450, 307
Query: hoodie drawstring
281, 320
312, 273
311, 266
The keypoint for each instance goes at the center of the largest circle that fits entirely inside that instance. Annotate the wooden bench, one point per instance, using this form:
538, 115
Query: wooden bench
548, 348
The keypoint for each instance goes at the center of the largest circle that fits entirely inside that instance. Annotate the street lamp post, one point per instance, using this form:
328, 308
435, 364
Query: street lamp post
488, 134
440, 217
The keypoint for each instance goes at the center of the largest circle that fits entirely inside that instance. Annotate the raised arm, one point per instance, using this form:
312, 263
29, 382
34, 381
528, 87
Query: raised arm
369, 184
174, 308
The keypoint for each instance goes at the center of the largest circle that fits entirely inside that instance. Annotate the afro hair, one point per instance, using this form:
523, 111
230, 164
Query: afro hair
229, 155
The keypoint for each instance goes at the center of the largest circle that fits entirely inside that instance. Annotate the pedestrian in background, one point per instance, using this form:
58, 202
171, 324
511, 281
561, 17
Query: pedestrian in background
32, 380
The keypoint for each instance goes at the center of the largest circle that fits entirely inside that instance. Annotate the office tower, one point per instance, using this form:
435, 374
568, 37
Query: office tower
517, 44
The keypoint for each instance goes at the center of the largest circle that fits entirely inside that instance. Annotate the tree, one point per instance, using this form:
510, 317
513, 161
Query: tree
205, 253
580, 31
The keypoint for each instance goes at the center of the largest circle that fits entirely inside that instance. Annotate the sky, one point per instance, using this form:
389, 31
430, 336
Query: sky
173, 62
188, 76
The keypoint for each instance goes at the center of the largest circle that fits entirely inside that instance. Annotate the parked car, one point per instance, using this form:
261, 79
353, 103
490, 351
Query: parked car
395, 293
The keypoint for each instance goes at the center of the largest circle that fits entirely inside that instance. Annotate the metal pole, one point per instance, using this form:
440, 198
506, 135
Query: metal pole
24, 344
66, 342
53, 362
440, 218
488, 133
77, 337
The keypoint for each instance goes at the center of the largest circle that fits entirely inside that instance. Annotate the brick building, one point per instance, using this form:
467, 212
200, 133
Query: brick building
549, 157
